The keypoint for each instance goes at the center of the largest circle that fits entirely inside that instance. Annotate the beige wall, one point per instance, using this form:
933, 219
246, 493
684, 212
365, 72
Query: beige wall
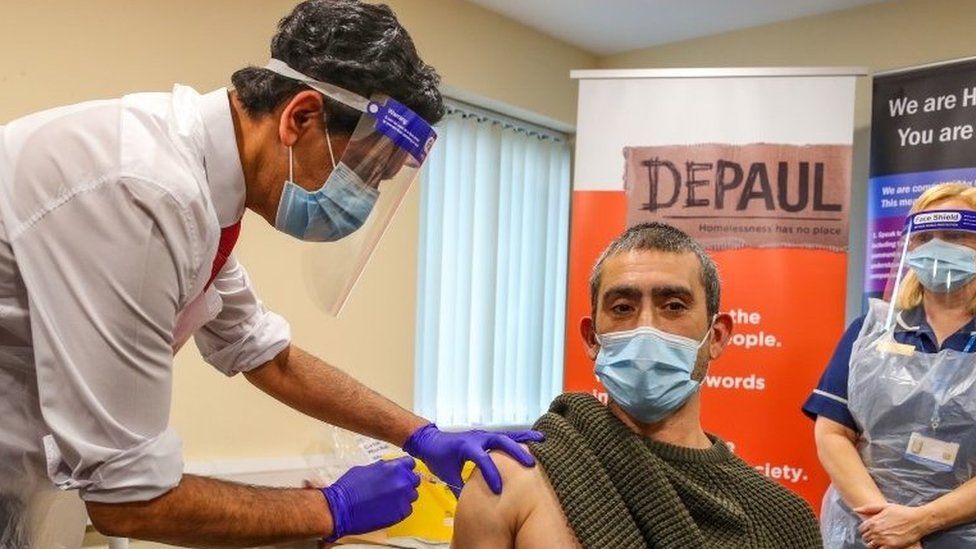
880, 36
893, 34
63, 51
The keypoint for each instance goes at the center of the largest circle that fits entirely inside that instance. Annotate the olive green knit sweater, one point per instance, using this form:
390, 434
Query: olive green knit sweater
620, 490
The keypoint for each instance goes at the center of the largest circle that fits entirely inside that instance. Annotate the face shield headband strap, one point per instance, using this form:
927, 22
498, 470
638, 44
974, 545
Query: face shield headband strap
942, 220
331, 91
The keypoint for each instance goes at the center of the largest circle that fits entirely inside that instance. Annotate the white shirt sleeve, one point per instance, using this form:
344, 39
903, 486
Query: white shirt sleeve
106, 269
245, 333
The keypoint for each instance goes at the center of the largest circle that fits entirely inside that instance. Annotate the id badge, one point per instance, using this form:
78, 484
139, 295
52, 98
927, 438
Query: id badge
937, 454
893, 347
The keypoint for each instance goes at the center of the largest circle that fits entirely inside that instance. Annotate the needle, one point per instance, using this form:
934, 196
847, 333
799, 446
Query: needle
431, 478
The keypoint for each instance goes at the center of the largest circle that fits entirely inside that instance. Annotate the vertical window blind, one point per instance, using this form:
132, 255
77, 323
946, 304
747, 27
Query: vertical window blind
495, 199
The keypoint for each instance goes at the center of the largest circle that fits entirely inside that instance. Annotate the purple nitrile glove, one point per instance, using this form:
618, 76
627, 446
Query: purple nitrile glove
445, 453
370, 497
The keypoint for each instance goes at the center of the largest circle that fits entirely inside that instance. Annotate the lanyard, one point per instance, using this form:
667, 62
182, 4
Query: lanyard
969, 344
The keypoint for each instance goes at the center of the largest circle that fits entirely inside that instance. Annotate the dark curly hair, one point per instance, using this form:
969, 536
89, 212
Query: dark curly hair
358, 46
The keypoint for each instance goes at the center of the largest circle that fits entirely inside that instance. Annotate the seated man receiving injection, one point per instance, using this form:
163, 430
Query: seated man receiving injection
640, 471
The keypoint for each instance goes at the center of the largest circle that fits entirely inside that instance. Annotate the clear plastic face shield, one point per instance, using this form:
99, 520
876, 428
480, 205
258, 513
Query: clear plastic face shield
354, 206
937, 257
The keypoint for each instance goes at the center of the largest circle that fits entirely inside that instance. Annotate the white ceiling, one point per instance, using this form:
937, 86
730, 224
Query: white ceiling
606, 27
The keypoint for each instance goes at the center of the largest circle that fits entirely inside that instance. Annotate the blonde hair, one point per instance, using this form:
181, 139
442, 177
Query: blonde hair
910, 292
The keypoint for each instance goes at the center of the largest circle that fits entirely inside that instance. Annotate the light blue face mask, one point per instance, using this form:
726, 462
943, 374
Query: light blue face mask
943, 267
336, 210
647, 372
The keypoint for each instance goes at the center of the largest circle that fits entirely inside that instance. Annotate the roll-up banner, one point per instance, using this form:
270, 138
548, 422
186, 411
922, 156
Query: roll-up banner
922, 134
755, 164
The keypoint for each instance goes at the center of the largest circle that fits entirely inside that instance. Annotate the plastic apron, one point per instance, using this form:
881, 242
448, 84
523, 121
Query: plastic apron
26, 494
916, 411
897, 395
33, 512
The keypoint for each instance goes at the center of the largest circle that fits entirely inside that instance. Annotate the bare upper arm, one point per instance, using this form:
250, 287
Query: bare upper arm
487, 520
527, 514
826, 427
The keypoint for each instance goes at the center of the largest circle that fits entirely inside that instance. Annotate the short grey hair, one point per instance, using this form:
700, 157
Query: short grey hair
664, 238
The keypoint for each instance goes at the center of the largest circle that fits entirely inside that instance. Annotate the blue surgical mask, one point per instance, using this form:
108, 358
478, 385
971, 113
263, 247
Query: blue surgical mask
647, 372
943, 267
336, 210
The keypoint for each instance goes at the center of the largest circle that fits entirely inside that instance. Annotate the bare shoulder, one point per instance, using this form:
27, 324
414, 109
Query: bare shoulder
516, 478
525, 515
483, 515
514, 473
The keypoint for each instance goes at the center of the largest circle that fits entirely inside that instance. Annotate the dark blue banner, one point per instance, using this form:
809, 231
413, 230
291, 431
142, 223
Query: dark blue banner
923, 133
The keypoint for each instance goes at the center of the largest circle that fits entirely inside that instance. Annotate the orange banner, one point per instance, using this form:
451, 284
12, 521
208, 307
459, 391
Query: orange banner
788, 307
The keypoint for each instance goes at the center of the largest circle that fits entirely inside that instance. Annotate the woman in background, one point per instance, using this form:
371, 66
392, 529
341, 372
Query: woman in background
895, 409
